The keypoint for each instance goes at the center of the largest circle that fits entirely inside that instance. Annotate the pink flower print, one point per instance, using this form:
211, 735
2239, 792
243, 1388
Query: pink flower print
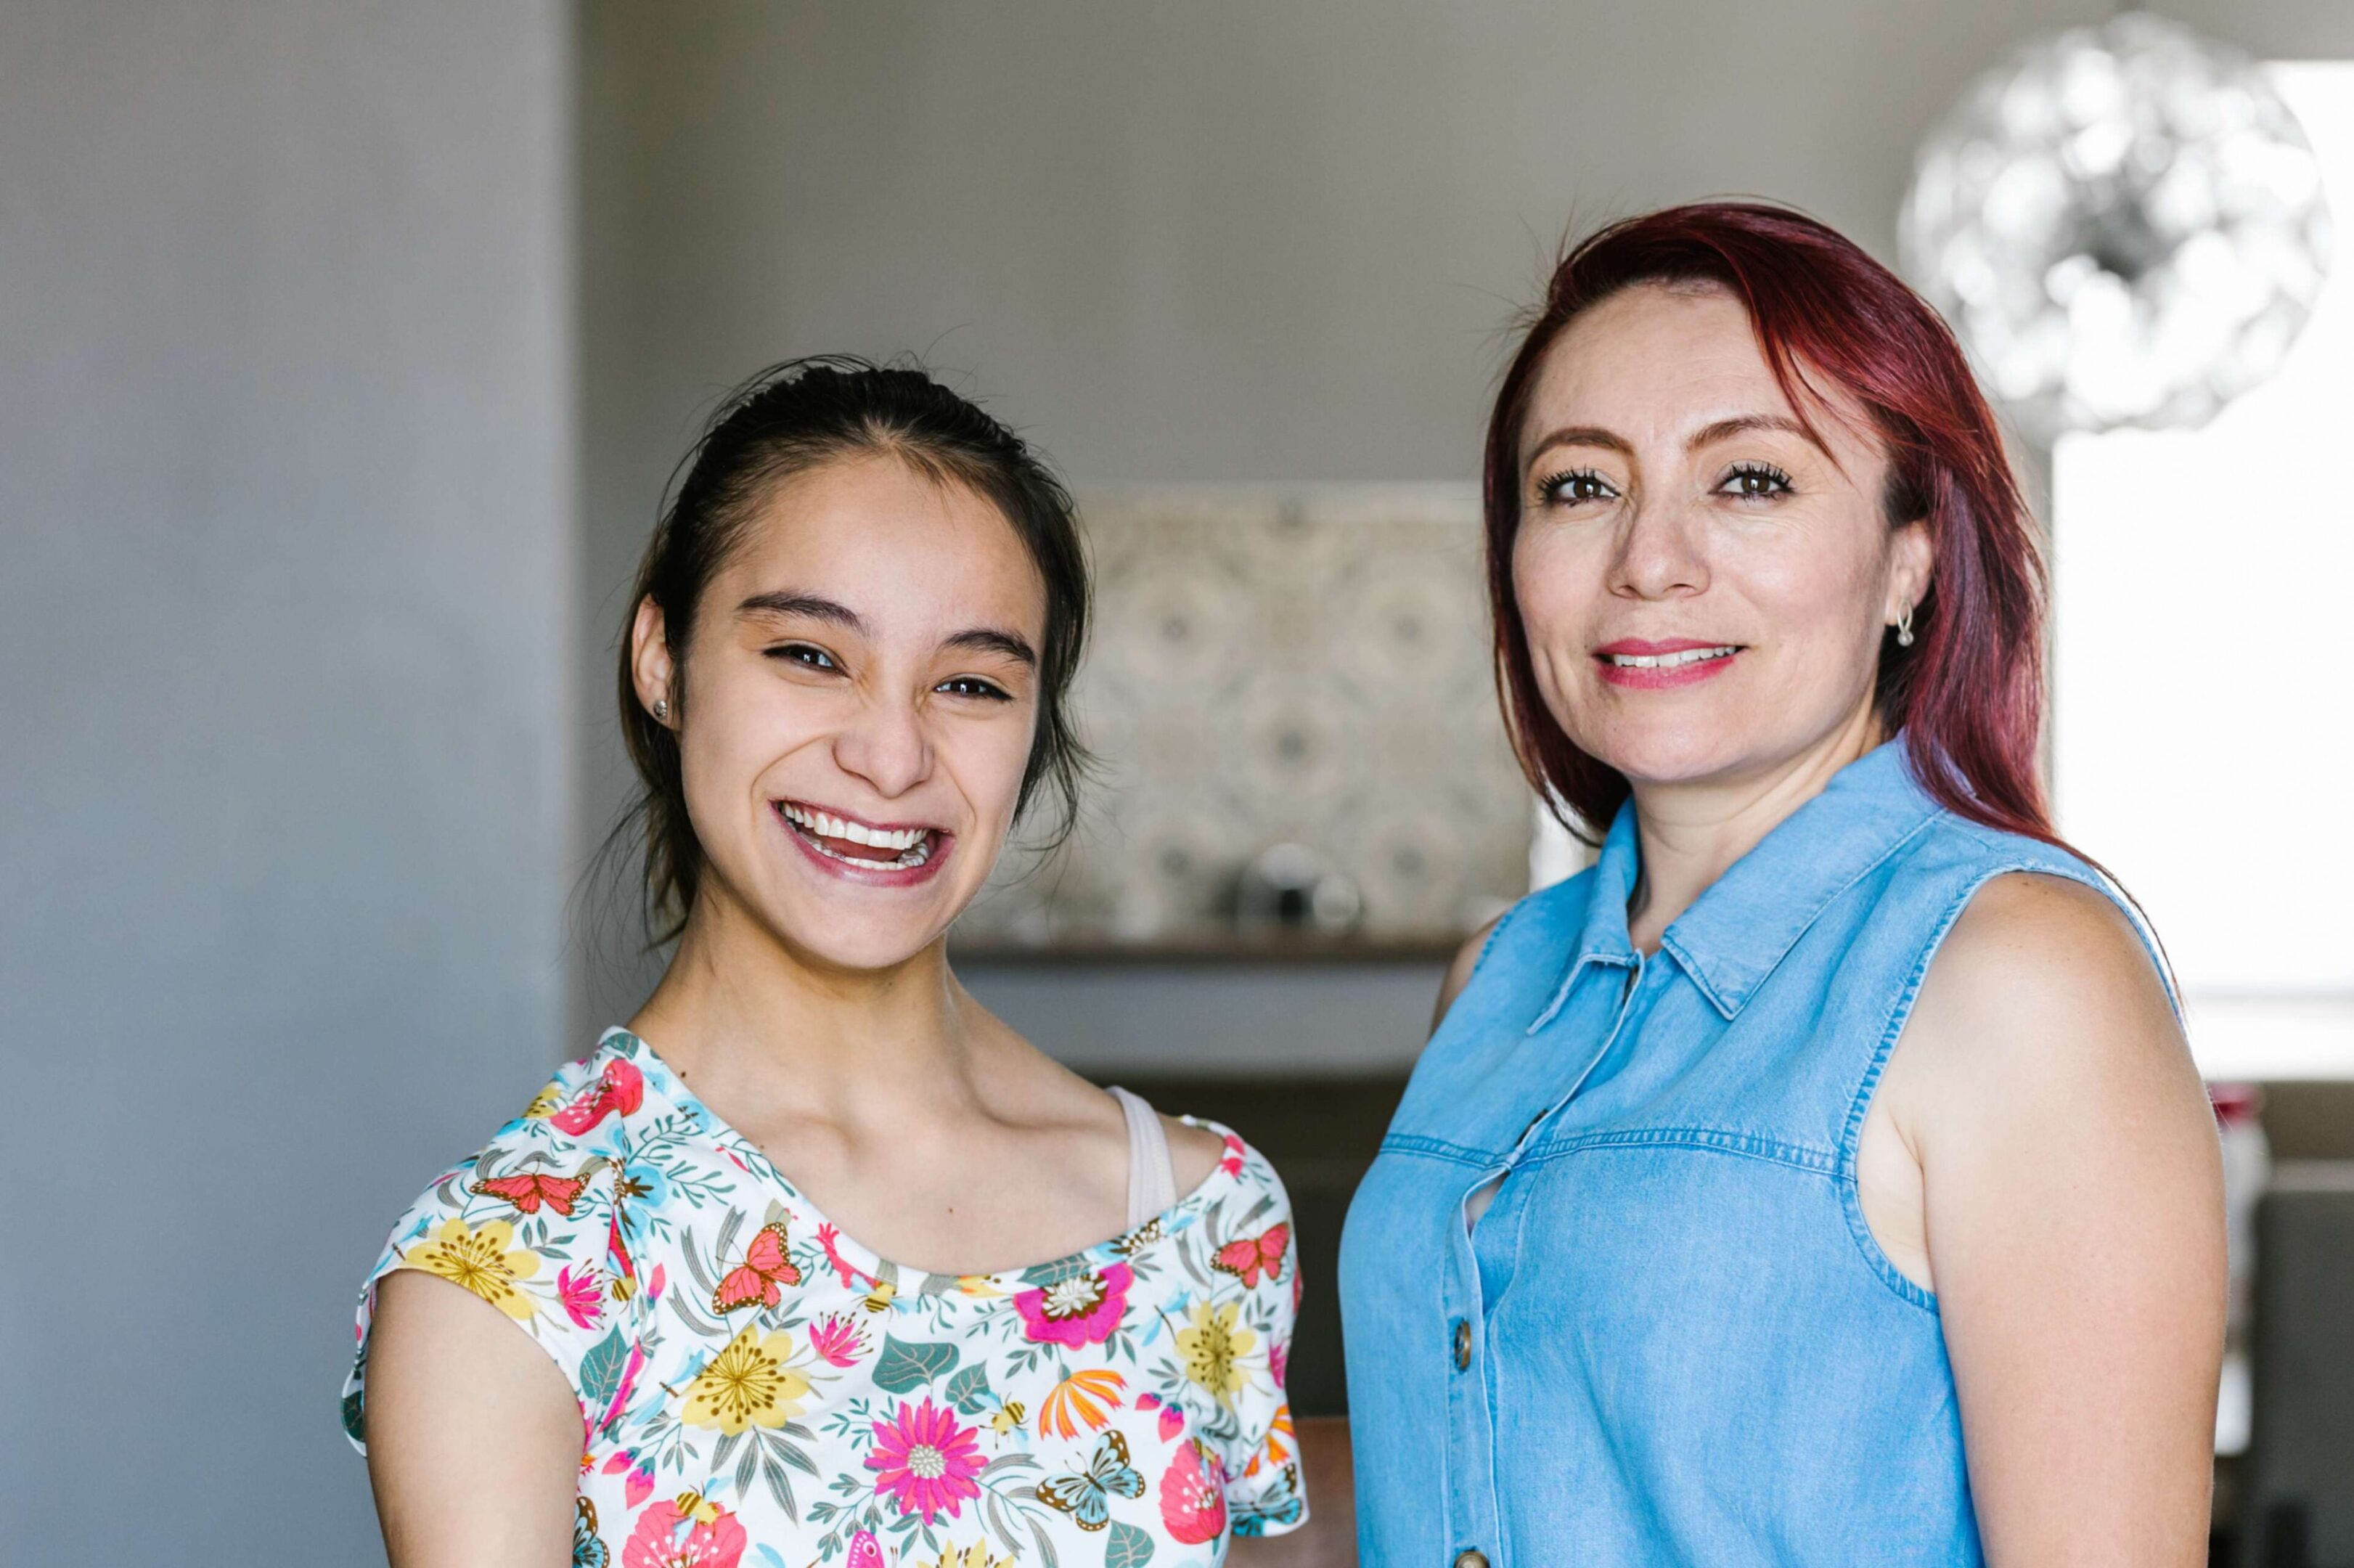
625, 1271
1172, 1419
1078, 1311
1232, 1163
621, 1088
1278, 1360
837, 1341
641, 1481
1192, 1504
702, 1536
831, 1240
583, 1295
926, 1460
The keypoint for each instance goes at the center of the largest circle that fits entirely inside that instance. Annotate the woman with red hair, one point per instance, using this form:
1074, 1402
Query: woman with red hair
1821, 1177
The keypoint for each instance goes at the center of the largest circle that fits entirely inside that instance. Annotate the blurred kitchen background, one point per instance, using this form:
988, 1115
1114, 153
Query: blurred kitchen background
346, 348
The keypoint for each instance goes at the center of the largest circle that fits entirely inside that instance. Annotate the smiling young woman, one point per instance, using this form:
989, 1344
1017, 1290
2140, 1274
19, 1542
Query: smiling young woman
815, 1259
1822, 1177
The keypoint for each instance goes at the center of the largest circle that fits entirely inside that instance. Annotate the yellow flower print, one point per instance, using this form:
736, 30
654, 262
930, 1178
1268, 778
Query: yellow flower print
479, 1260
977, 1555
747, 1385
1211, 1347
545, 1103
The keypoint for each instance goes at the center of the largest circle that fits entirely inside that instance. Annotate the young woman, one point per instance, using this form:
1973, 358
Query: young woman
816, 1261
1821, 1178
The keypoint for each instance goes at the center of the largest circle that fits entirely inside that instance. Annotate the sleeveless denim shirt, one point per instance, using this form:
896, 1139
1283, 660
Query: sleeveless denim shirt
1671, 1337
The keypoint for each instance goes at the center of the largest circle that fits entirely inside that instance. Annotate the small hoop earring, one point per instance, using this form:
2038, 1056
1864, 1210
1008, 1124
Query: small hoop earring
662, 709
1905, 627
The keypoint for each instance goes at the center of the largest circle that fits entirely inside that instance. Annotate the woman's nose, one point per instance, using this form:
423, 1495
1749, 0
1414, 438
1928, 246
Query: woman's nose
1659, 554
885, 745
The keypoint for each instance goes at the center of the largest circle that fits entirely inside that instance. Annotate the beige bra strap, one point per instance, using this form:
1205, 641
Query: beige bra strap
1151, 1175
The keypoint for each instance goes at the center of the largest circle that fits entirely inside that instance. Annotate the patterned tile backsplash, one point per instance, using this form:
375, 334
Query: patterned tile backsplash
1305, 666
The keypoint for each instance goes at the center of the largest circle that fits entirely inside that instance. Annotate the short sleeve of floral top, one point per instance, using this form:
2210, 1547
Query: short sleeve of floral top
758, 1390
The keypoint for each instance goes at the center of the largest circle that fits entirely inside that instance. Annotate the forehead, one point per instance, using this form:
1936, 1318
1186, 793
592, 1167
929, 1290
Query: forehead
1652, 364
903, 549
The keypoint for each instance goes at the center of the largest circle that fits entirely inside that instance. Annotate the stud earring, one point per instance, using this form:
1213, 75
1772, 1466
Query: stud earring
662, 709
1905, 627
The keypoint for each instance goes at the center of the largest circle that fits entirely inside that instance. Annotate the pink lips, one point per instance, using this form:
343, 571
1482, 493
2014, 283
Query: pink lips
881, 874
1657, 678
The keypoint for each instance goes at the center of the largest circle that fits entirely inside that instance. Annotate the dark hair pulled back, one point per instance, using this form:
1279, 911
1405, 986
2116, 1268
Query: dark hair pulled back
789, 419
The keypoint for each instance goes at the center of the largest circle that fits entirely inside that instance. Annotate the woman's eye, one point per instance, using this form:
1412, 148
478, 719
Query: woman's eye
1577, 486
1756, 481
801, 653
973, 686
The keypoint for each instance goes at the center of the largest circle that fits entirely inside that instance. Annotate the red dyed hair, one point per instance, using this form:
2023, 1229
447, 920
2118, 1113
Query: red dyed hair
1969, 692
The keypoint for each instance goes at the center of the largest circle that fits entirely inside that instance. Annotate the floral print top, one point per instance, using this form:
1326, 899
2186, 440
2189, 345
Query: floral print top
759, 1390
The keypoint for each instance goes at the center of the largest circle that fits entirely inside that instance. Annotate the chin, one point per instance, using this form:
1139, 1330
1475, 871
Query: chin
838, 950
1668, 750
830, 925
868, 940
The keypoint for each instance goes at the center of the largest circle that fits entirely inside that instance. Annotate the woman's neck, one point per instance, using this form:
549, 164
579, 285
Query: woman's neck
1690, 833
747, 1018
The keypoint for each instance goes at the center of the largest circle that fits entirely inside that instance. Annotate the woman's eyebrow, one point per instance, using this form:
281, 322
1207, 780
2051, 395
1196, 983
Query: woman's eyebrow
1742, 424
809, 606
1580, 436
816, 607
990, 640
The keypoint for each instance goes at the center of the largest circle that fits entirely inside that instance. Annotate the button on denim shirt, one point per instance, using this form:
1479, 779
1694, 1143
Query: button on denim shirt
1671, 1337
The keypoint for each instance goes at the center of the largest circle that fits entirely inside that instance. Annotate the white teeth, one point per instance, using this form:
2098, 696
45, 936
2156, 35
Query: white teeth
1670, 661
827, 825
915, 856
912, 858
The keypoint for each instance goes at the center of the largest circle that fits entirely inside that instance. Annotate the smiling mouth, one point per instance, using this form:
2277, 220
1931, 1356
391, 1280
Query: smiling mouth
855, 843
1675, 661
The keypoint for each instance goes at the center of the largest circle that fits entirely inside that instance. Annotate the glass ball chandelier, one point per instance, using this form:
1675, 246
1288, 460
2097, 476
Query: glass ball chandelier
2125, 223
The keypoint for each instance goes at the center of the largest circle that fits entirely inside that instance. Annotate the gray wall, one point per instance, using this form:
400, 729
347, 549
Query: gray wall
285, 508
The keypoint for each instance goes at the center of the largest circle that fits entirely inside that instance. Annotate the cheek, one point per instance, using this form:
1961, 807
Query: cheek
982, 758
739, 725
1810, 600
1555, 582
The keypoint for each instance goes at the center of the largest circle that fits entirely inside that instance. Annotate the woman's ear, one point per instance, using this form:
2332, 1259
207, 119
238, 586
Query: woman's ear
1912, 556
650, 660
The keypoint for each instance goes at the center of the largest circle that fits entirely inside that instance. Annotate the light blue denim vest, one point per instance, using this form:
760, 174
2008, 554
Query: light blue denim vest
1670, 1338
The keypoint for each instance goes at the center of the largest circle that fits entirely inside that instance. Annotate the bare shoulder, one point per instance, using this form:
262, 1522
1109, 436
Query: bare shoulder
2029, 942
1046, 1090
1193, 1153
1459, 972
2043, 982
1044, 1087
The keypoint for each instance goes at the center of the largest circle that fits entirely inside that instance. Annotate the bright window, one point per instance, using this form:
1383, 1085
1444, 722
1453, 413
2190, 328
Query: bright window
2203, 675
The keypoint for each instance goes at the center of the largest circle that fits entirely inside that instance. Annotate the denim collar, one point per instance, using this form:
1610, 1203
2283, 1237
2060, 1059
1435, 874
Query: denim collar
1740, 928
